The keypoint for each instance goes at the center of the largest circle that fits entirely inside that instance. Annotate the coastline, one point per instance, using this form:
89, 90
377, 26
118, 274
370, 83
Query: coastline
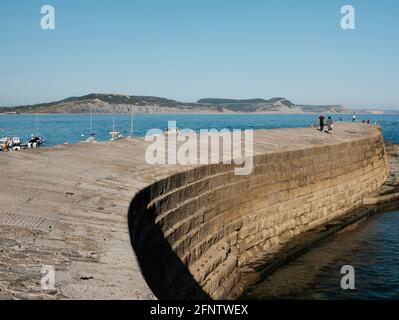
198, 113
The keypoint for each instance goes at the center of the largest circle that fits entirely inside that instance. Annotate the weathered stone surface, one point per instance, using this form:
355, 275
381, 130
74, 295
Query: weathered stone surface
194, 229
307, 181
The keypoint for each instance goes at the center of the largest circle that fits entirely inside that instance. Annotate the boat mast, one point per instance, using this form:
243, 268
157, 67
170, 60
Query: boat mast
37, 121
131, 124
91, 120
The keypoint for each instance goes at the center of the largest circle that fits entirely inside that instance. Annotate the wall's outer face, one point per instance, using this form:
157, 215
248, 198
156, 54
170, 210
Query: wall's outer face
69, 207
215, 221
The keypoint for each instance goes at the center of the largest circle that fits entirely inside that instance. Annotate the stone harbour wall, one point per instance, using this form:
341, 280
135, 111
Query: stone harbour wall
195, 232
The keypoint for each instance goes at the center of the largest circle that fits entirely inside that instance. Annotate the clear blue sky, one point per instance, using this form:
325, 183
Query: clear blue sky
191, 49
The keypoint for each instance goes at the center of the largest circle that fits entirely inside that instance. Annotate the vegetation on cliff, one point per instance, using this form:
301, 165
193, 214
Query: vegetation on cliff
120, 103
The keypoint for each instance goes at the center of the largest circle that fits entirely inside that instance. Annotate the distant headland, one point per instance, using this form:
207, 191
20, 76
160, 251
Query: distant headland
123, 103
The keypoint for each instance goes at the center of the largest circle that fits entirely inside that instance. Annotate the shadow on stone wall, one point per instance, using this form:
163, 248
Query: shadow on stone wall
219, 223
166, 275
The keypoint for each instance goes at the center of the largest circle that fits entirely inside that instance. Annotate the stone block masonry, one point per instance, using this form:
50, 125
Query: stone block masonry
215, 223
115, 227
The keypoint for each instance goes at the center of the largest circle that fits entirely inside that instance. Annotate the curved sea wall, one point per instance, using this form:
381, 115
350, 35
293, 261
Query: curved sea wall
195, 232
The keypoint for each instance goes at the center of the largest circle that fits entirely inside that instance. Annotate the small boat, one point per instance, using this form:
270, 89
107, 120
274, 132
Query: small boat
10, 143
16, 144
16, 140
92, 138
3, 144
35, 142
115, 135
170, 131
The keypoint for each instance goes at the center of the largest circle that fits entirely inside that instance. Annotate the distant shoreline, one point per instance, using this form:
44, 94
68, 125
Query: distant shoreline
191, 113
100, 103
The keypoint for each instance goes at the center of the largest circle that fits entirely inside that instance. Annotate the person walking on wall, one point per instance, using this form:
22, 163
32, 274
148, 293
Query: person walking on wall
329, 124
321, 122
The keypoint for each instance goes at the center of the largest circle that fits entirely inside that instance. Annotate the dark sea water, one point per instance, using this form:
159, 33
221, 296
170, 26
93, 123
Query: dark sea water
58, 129
373, 251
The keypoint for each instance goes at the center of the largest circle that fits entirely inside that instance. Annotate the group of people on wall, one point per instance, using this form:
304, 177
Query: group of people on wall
327, 126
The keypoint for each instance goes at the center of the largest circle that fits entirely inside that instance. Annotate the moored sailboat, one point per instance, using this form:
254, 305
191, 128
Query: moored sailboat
115, 135
92, 138
36, 140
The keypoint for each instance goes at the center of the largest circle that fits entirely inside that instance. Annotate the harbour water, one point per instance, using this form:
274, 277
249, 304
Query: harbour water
72, 128
373, 251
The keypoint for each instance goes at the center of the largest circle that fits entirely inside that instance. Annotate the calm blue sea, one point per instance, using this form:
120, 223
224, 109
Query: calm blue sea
67, 128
